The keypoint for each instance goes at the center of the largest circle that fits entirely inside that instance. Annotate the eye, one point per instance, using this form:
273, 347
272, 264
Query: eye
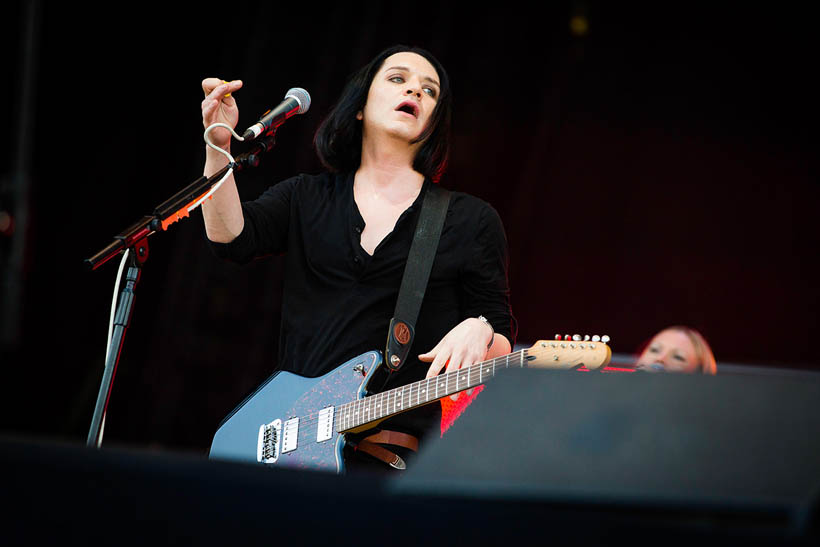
654, 349
430, 91
396, 79
679, 357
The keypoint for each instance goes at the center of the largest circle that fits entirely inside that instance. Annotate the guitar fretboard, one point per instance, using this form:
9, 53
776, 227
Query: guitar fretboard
401, 399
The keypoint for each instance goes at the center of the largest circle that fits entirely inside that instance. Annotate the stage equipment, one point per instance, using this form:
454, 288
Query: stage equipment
724, 452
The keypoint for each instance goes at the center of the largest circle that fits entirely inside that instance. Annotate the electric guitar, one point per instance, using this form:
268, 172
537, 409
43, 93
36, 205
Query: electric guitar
291, 421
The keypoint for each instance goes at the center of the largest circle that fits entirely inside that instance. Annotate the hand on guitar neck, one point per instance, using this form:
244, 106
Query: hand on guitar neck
465, 345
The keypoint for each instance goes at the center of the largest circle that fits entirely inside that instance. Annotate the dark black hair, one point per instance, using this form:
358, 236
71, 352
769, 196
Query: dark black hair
338, 140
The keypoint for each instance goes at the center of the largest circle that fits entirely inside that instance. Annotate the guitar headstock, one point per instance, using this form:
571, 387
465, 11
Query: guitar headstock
569, 352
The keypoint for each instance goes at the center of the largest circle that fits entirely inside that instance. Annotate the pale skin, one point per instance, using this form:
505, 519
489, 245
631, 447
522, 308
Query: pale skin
673, 349
384, 186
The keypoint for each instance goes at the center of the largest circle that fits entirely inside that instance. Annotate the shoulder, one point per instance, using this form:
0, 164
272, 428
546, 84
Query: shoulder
471, 210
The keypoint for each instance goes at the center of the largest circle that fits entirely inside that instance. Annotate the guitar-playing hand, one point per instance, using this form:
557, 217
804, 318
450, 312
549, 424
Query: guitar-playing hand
465, 345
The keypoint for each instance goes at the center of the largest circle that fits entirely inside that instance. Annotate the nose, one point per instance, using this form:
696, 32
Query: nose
414, 89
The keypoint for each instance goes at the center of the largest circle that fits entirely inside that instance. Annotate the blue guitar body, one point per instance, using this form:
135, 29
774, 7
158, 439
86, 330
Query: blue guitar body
286, 397
297, 422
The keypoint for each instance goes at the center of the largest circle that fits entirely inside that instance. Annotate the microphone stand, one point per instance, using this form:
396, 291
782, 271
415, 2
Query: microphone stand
135, 238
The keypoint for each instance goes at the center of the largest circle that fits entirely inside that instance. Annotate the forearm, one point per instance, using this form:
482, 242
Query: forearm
223, 212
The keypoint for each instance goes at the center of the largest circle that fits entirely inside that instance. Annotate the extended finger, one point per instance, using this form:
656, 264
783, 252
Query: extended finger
438, 363
456, 361
209, 84
430, 355
222, 90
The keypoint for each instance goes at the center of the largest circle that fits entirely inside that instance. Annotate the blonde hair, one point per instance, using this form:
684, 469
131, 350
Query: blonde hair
708, 365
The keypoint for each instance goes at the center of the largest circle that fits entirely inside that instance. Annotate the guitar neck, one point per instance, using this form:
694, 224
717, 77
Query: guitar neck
352, 416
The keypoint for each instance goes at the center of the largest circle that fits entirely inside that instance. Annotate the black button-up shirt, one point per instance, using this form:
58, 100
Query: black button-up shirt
338, 300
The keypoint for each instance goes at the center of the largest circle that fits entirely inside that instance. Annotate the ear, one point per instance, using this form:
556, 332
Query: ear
359, 115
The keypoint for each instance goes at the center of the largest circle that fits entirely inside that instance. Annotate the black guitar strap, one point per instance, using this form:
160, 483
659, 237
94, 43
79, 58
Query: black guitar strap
416, 273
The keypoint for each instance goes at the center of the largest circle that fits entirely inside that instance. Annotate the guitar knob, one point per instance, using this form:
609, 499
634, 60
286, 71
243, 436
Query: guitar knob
576, 337
596, 338
604, 338
586, 338
557, 336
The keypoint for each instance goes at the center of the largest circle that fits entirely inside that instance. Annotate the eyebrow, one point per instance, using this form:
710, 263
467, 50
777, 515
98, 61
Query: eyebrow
405, 69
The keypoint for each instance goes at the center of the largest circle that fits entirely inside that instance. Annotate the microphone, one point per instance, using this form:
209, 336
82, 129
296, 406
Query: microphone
297, 101
654, 367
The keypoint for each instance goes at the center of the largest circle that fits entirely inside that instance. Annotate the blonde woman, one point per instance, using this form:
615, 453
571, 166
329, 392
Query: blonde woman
677, 349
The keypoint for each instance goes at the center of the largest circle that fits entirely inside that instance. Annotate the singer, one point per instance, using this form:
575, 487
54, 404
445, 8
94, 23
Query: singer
346, 233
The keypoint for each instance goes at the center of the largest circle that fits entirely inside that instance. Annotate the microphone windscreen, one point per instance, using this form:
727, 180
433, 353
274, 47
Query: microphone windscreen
301, 96
654, 367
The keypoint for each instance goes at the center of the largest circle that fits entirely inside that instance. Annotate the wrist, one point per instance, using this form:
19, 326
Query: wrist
492, 330
213, 153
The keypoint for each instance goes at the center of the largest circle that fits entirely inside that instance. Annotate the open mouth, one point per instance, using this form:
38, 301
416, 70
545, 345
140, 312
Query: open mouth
409, 107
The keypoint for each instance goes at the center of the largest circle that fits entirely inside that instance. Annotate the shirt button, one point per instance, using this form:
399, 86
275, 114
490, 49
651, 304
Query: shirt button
358, 229
356, 259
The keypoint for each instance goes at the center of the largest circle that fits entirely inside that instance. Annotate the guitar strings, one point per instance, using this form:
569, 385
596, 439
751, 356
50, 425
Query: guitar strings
517, 359
386, 396
306, 433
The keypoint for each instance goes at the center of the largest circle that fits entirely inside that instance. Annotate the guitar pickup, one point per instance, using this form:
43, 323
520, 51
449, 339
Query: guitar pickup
290, 435
324, 432
267, 448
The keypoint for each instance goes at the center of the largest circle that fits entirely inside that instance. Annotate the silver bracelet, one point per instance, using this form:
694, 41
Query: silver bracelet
492, 336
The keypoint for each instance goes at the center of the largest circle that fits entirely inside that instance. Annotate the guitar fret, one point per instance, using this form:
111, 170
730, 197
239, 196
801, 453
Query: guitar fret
353, 412
344, 416
400, 399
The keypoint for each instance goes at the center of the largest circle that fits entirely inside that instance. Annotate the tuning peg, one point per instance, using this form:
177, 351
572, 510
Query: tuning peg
576, 337
604, 338
586, 338
596, 338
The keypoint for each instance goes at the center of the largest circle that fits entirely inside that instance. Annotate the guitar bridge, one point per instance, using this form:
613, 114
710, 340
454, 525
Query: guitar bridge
267, 448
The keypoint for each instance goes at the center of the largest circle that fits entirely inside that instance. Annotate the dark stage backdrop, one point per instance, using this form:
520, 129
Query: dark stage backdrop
656, 167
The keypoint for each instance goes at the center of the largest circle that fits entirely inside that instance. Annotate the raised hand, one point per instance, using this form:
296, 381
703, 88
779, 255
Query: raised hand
219, 106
